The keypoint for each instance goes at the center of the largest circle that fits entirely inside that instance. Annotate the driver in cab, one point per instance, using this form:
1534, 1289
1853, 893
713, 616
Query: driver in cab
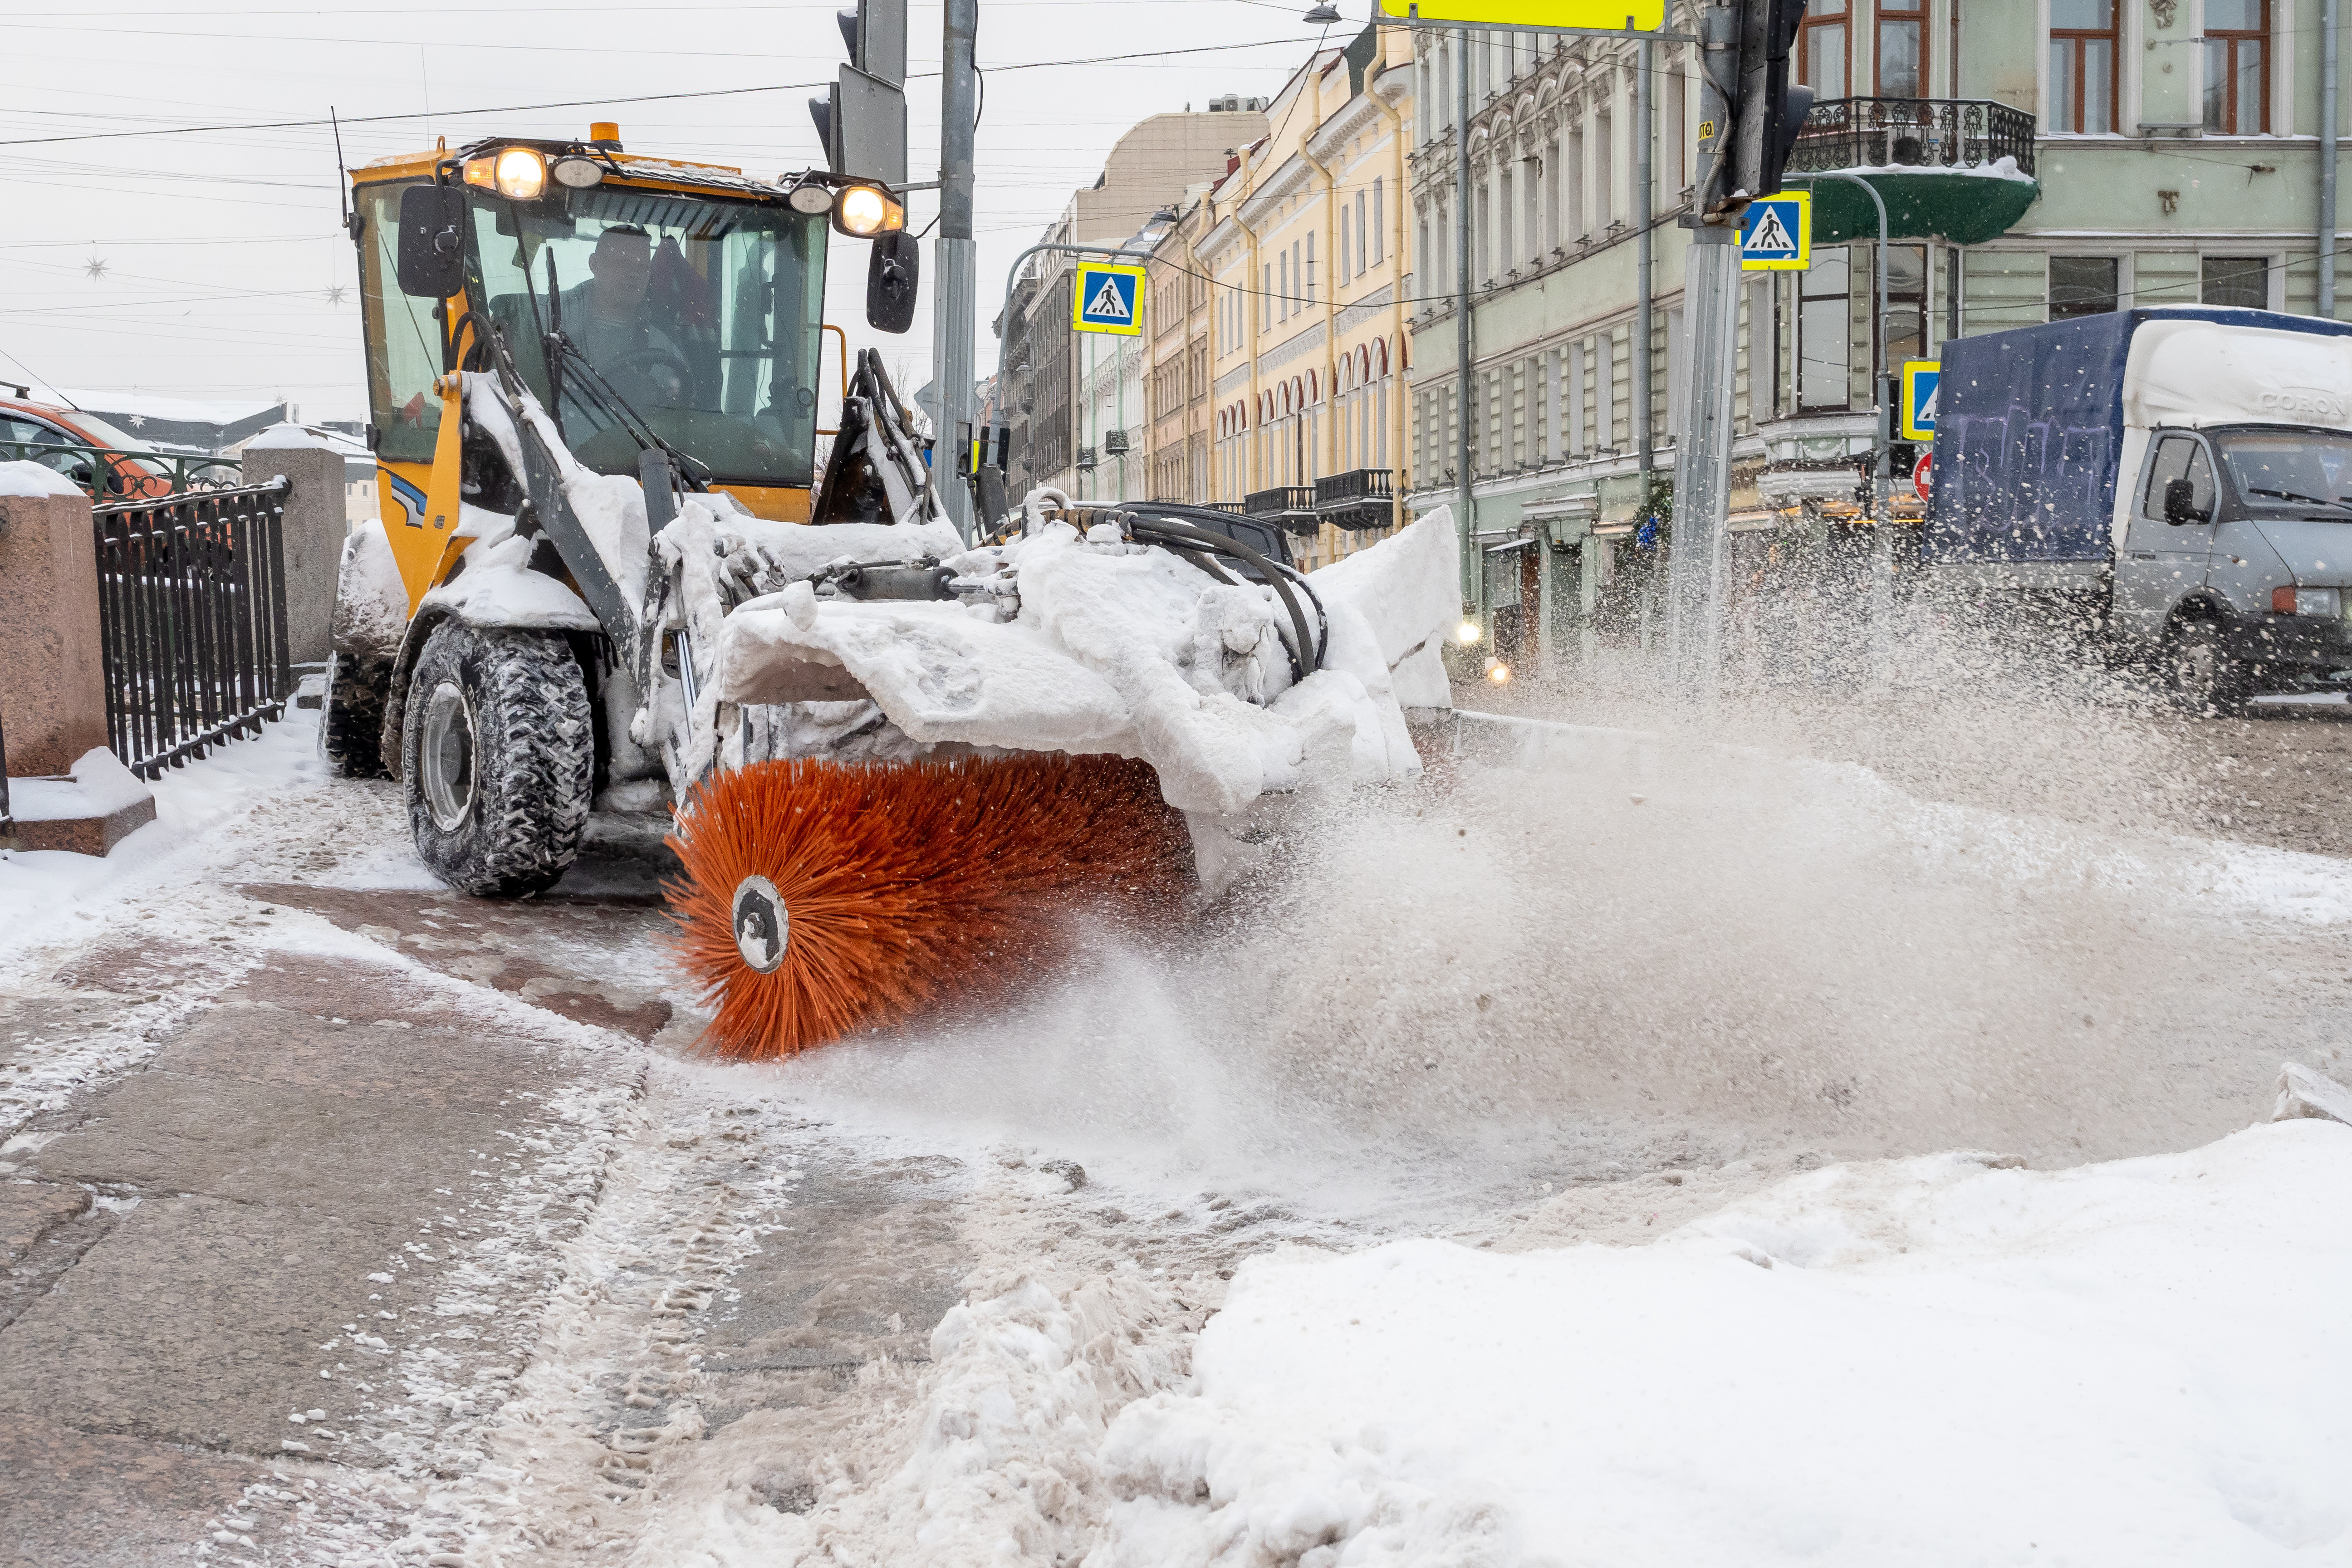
606, 317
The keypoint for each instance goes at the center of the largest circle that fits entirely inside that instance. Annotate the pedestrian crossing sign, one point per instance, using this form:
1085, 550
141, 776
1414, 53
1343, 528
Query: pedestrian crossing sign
1776, 233
1109, 299
1921, 378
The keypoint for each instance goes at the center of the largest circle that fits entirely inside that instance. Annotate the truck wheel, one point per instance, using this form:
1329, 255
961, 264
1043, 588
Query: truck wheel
2206, 678
352, 729
497, 751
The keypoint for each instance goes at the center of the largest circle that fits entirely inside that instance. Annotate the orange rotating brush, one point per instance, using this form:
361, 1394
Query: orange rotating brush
822, 897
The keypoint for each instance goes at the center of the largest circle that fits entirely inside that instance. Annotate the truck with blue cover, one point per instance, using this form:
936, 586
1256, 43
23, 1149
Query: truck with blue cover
2180, 478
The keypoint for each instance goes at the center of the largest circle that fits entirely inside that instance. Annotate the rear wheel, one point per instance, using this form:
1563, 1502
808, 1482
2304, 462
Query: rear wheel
497, 753
2205, 676
351, 732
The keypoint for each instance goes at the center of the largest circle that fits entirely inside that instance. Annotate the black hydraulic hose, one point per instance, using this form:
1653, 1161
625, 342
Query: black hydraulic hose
1167, 530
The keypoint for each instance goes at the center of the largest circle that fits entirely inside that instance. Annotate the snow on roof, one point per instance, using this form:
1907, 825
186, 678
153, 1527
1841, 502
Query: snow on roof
135, 403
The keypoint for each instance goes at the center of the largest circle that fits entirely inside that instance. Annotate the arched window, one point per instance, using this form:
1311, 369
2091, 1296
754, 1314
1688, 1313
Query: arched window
1380, 360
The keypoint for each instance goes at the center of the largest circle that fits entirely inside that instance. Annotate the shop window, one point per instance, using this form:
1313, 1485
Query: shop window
2237, 67
1825, 334
2235, 283
1902, 37
2083, 63
1906, 304
2084, 286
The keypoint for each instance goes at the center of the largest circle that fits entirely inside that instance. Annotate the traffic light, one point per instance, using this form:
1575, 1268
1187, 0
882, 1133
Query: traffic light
862, 119
1771, 111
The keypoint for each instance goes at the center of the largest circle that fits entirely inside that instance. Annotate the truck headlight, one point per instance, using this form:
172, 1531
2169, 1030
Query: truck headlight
864, 211
2325, 602
522, 175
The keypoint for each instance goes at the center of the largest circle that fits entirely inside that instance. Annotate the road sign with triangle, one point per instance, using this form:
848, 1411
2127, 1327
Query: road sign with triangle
1776, 233
1108, 298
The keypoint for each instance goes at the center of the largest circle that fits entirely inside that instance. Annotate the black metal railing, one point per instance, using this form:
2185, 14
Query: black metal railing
191, 621
128, 474
1916, 132
1361, 498
1279, 499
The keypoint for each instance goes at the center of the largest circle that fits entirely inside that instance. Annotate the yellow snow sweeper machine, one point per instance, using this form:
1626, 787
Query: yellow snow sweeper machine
611, 574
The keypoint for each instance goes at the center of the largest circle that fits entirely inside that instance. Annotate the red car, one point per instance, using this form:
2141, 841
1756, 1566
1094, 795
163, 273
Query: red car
84, 448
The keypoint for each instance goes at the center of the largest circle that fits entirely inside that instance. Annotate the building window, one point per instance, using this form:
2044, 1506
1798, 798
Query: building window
1906, 304
1902, 39
1380, 249
2083, 64
1821, 49
2084, 286
2234, 282
2237, 67
1824, 328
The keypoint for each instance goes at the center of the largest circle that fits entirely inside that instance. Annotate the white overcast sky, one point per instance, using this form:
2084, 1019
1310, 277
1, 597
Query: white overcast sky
199, 264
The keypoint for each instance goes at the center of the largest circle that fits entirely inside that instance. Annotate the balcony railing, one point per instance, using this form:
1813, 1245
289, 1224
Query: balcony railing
1361, 498
1280, 499
1911, 132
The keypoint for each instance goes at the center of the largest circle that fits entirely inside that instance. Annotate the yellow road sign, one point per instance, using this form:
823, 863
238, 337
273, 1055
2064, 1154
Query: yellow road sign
1610, 16
1921, 378
1108, 298
1776, 233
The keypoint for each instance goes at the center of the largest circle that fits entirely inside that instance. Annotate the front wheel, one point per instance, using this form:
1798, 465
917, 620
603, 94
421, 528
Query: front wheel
497, 754
2205, 676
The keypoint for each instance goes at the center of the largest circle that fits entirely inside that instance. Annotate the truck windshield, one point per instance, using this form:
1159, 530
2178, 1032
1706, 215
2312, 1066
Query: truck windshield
2289, 470
704, 315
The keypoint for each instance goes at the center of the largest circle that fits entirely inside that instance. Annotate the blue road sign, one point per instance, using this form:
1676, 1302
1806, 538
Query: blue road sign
1776, 233
1109, 299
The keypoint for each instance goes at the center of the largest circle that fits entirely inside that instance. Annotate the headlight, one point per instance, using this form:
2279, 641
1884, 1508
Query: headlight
812, 199
865, 211
1467, 633
1498, 672
522, 175
2327, 602
577, 173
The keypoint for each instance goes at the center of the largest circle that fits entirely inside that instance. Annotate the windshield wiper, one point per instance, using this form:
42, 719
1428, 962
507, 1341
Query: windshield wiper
2298, 496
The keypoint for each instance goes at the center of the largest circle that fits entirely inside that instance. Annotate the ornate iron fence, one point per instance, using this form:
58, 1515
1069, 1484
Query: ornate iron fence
1279, 499
1912, 132
1359, 497
191, 621
128, 474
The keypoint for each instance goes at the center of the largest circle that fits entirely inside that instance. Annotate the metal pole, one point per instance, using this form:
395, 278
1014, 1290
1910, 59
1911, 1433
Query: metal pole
954, 326
1882, 541
1694, 569
1644, 177
2327, 113
1473, 564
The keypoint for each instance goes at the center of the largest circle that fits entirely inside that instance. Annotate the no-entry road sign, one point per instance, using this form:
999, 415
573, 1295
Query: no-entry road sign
1109, 299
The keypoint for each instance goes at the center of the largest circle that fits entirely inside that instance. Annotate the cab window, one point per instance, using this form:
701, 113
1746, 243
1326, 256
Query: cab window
2177, 458
404, 341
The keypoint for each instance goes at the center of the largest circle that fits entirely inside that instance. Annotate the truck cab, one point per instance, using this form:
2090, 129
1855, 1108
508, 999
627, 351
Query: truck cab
2182, 478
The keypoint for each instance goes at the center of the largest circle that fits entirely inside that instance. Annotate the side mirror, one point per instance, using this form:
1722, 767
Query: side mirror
432, 241
895, 268
2180, 503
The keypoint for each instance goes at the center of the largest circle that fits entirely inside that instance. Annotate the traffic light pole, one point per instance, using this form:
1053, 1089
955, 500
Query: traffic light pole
1695, 570
954, 327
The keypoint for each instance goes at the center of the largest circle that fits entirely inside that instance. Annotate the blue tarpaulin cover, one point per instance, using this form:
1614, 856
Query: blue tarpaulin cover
2029, 427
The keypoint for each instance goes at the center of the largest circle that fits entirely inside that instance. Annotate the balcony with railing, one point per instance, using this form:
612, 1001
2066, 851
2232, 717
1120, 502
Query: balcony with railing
1959, 170
1293, 505
1361, 498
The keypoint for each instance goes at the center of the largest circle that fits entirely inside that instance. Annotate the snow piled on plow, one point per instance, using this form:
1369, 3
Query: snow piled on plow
1129, 650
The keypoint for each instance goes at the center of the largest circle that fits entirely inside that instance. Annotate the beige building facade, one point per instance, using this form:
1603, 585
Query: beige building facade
1302, 245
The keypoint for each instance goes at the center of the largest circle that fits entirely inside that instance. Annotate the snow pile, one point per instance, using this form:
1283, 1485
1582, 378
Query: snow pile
498, 587
1935, 1361
29, 479
371, 601
1129, 650
99, 785
285, 436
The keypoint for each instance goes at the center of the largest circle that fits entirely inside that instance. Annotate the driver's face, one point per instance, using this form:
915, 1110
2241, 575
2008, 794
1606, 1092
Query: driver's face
623, 265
